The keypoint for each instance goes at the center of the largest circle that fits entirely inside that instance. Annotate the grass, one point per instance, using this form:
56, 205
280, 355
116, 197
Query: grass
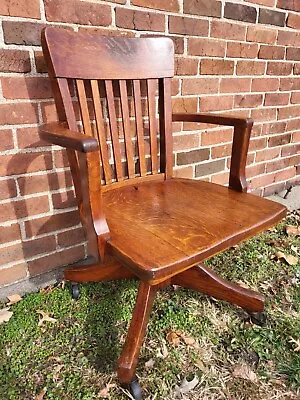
74, 358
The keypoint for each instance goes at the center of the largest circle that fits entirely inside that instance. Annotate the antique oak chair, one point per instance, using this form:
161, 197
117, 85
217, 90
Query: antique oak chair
140, 221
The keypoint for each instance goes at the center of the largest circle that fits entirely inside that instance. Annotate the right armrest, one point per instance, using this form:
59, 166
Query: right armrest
58, 133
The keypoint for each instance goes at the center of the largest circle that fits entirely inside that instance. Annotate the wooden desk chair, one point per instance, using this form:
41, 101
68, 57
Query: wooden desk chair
154, 227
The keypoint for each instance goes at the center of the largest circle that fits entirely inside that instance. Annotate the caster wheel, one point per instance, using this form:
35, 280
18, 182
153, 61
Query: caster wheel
258, 318
75, 291
135, 389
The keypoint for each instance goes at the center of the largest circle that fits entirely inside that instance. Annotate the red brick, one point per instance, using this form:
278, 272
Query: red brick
178, 41
23, 208
185, 142
188, 26
49, 112
257, 144
255, 170
293, 21
297, 69
203, 7
282, 163
12, 253
260, 35
78, 12
23, 163
269, 3
140, 20
287, 38
222, 29
262, 181
186, 66
200, 86
288, 112
185, 172
26, 88
20, 8
171, 5
192, 156
6, 140
65, 199
185, 104
248, 100
240, 12
242, 50
71, 238
22, 32
289, 5
216, 137
40, 63
250, 67
206, 47
293, 53
57, 259
291, 151
209, 168
18, 113
7, 189
216, 67
14, 61
29, 137
289, 84
267, 154
30, 184
234, 85
279, 140
117, 1
38, 246
279, 68
295, 97
271, 52
276, 127
271, 17
285, 175
51, 223
276, 99
10, 233
12, 274
216, 103
263, 114
296, 137
292, 124
221, 179
221, 151
175, 86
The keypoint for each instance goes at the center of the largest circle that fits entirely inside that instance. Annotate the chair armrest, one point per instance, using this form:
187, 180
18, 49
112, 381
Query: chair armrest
58, 133
240, 144
214, 119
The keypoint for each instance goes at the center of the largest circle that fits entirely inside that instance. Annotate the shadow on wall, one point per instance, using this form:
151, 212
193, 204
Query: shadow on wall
46, 241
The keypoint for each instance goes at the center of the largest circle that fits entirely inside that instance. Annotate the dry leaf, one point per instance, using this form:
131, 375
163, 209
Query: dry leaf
41, 395
5, 315
297, 343
45, 318
56, 372
245, 372
162, 352
243, 284
104, 393
188, 340
292, 230
173, 338
176, 287
13, 299
291, 260
295, 249
200, 364
186, 386
150, 363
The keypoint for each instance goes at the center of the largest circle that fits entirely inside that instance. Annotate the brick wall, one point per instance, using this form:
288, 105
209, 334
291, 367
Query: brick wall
239, 57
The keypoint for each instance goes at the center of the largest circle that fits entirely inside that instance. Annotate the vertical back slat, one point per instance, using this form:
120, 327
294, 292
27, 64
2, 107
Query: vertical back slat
126, 127
84, 107
114, 129
139, 126
101, 131
152, 124
165, 127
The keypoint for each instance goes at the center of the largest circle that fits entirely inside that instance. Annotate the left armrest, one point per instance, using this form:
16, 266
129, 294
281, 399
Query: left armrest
240, 144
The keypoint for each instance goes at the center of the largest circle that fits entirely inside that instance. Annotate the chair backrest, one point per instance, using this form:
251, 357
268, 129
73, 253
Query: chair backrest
111, 88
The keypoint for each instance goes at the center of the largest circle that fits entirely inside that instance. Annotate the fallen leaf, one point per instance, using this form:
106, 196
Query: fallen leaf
56, 372
104, 393
162, 352
291, 260
41, 395
175, 287
5, 315
186, 386
45, 318
243, 284
150, 363
295, 249
200, 364
297, 343
190, 341
272, 229
173, 338
13, 299
292, 230
245, 372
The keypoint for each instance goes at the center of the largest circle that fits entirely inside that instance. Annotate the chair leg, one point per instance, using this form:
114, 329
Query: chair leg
203, 279
135, 337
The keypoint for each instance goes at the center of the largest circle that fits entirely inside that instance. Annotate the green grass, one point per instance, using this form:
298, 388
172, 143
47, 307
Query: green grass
75, 357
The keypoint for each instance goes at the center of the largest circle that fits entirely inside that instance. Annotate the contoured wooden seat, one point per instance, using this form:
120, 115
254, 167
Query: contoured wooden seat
140, 221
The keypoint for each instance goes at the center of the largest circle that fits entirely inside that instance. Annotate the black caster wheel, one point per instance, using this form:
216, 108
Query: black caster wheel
135, 389
258, 318
75, 291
